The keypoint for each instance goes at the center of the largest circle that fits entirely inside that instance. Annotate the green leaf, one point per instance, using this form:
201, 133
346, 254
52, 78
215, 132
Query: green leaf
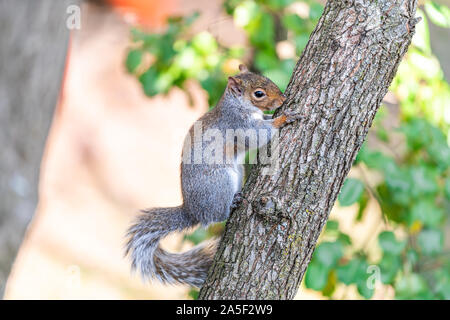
353, 271
389, 266
186, 59
399, 184
438, 148
329, 288
351, 192
390, 205
430, 241
363, 201
410, 286
391, 262
382, 134
424, 181
193, 293
148, 80
138, 36
133, 60
389, 244
328, 253
422, 134
438, 14
261, 31
442, 287
332, 225
164, 50
245, 13
266, 60
204, 43
427, 213
344, 239
376, 160
198, 236
363, 289
316, 276
356, 272
295, 23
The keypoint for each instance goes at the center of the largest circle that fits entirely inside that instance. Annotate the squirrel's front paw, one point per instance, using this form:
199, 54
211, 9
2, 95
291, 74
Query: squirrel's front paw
292, 116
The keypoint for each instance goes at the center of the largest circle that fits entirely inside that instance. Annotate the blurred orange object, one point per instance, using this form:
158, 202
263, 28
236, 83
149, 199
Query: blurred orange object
149, 13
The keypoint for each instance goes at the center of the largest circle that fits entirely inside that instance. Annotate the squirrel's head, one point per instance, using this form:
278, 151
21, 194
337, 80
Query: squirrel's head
256, 89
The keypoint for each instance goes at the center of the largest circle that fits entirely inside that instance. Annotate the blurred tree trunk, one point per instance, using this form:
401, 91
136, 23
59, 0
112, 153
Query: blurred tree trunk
33, 44
338, 85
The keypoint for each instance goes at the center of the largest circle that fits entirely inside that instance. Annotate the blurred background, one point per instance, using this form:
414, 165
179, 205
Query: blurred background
131, 76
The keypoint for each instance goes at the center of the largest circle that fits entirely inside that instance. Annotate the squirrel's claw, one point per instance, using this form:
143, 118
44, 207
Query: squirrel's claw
292, 116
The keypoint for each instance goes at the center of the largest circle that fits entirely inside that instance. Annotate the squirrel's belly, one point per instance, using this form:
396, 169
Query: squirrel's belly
235, 173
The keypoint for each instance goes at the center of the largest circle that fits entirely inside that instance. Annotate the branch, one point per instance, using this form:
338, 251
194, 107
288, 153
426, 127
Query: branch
338, 85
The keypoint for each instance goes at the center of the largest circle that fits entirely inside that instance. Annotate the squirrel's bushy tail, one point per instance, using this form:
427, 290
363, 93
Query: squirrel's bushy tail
190, 267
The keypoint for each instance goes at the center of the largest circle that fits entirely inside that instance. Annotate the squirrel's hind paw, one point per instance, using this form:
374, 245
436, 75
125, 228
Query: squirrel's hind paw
237, 200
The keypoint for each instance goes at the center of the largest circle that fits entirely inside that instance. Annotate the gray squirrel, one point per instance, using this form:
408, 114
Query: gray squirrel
210, 189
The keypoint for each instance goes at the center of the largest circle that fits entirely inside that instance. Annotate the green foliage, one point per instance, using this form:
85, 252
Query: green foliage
201, 234
351, 192
413, 198
326, 269
134, 59
420, 83
193, 293
389, 243
439, 14
414, 190
259, 19
177, 58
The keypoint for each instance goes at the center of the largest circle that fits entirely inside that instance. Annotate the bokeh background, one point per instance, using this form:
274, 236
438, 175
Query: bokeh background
140, 72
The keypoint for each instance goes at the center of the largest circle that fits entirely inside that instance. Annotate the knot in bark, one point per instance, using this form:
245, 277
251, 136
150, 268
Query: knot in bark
269, 208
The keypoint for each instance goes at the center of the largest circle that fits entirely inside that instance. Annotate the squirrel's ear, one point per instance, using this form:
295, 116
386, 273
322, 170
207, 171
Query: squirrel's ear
234, 84
243, 68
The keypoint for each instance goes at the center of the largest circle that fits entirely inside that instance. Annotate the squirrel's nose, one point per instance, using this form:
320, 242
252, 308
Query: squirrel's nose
283, 98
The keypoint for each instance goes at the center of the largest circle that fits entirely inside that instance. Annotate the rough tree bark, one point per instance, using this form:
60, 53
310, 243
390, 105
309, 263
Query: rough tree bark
33, 44
338, 85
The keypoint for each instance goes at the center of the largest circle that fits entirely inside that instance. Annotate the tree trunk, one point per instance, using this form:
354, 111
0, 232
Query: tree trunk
33, 44
338, 85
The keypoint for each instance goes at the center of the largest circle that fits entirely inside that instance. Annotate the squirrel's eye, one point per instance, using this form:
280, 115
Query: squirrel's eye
259, 94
